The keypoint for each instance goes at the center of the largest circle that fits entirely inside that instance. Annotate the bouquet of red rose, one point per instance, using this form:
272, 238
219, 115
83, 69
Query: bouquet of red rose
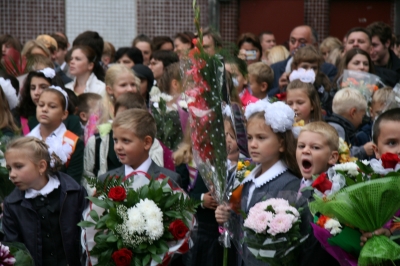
139, 222
365, 197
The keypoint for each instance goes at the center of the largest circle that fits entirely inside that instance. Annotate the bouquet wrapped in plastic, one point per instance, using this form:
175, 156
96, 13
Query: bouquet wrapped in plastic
144, 222
206, 97
363, 196
274, 230
365, 82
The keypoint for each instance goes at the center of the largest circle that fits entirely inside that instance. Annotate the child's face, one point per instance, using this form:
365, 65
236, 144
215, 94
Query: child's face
388, 139
376, 109
299, 101
38, 85
49, 111
23, 172
231, 143
125, 82
130, 149
307, 66
264, 145
258, 90
233, 69
157, 67
313, 154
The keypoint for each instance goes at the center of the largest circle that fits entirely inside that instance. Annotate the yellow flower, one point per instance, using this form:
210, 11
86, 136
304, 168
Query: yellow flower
247, 163
299, 124
246, 173
240, 166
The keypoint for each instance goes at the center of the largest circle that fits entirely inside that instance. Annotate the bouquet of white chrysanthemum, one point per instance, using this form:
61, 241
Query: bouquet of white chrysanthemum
141, 223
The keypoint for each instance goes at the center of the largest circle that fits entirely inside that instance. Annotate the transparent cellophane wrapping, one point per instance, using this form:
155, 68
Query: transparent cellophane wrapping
367, 206
203, 83
138, 180
259, 249
364, 82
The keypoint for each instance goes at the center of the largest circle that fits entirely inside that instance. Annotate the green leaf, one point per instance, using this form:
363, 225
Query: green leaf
152, 249
94, 215
171, 200
364, 168
99, 202
120, 244
112, 238
86, 224
156, 258
137, 262
146, 259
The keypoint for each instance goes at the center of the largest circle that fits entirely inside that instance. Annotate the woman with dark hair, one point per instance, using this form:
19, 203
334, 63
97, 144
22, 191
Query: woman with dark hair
163, 43
249, 48
7, 42
144, 44
87, 71
146, 80
183, 43
35, 83
356, 59
129, 56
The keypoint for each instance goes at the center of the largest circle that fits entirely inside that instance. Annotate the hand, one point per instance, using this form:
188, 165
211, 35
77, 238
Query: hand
242, 54
368, 148
283, 80
222, 214
382, 231
209, 202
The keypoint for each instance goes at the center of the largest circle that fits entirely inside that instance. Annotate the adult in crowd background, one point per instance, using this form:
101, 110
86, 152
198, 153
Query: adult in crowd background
160, 60
249, 48
361, 38
276, 54
212, 41
87, 71
183, 42
267, 41
328, 45
129, 56
163, 43
299, 37
144, 44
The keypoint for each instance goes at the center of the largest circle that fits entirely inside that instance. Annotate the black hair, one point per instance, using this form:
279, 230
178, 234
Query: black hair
166, 57
359, 29
132, 52
90, 54
382, 30
144, 72
26, 106
390, 115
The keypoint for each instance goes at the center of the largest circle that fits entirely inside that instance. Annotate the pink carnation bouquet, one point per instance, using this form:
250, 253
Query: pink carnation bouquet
272, 231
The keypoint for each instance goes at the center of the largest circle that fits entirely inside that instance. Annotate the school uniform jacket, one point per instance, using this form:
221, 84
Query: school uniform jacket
154, 171
21, 222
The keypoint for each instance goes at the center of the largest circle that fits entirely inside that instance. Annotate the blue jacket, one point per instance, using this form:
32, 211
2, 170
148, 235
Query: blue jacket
21, 222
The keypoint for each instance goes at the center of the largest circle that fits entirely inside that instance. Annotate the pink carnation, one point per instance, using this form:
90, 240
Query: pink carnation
281, 223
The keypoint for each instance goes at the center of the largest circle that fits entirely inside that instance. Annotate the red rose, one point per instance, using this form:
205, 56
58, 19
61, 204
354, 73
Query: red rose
322, 183
389, 160
178, 229
117, 193
122, 257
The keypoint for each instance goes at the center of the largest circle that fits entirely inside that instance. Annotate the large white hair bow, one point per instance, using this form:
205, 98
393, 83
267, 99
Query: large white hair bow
306, 76
279, 116
256, 107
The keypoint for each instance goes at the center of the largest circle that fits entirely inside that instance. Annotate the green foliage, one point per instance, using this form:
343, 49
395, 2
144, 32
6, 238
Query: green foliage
20, 253
103, 187
173, 204
169, 130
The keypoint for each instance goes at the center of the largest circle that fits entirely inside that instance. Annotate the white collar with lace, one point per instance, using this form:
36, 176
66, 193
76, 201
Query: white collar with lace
51, 185
276, 170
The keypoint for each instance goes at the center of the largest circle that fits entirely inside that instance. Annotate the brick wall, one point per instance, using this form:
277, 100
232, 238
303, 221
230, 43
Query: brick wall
316, 15
26, 19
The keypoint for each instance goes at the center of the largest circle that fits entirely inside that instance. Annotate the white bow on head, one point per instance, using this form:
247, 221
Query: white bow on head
306, 76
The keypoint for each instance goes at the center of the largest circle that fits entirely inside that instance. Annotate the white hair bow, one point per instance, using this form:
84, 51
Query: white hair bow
10, 92
306, 76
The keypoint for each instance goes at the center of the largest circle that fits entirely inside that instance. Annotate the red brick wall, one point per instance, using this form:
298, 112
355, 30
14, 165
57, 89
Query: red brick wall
25, 19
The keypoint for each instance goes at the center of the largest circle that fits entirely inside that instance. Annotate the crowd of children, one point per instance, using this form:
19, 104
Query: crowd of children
289, 126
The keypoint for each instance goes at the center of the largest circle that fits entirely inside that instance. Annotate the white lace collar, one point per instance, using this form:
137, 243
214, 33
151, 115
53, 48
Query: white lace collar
58, 133
277, 169
51, 185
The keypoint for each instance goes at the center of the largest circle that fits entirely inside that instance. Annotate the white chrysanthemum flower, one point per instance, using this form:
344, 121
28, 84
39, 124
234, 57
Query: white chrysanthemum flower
365, 162
349, 167
333, 226
152, 214
155, 229
136, 222
183, 104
